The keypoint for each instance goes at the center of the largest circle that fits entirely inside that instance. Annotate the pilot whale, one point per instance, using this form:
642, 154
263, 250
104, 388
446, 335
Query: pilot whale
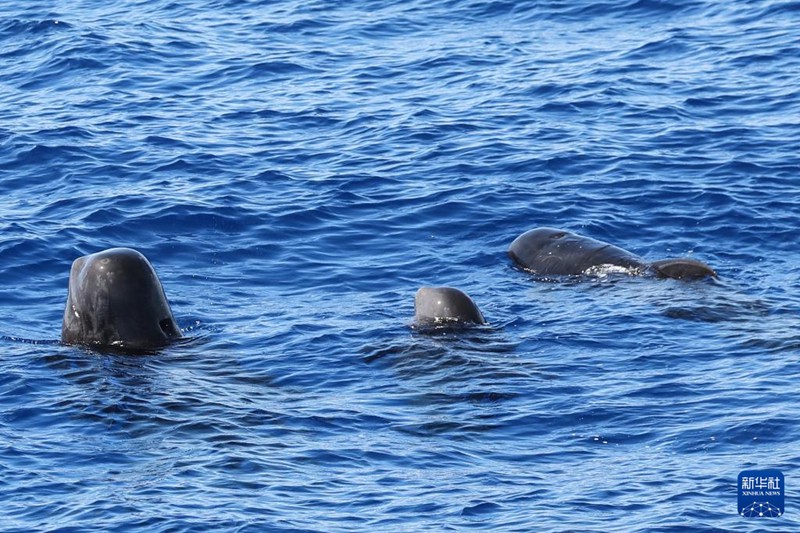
556, 252
115, 300
445, 305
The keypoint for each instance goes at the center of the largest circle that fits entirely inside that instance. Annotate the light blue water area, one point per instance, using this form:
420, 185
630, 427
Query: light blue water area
296, 170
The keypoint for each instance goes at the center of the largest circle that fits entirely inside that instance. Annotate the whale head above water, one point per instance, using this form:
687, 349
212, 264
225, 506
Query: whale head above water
435, 306
115, 300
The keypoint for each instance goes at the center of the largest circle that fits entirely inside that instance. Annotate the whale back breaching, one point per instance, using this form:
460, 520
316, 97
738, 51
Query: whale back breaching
115, 300
555, 252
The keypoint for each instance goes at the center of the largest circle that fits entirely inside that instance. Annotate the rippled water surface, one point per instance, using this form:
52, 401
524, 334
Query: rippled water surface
296, 170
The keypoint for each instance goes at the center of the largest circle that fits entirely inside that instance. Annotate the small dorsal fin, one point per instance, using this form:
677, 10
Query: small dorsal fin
682, 268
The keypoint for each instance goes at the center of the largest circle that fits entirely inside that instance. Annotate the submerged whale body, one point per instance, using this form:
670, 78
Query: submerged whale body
555, 252
445, 305
115, 300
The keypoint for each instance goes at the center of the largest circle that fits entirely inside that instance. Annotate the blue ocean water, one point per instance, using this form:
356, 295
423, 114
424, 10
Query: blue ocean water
296, 170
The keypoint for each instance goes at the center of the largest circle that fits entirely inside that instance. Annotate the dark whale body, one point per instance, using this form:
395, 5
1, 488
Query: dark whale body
555, 252
115, 300
445, 305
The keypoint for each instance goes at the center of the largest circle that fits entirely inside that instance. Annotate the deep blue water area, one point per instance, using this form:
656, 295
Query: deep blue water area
295, 170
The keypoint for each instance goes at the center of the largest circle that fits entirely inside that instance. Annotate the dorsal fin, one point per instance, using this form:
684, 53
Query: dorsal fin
682, 268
